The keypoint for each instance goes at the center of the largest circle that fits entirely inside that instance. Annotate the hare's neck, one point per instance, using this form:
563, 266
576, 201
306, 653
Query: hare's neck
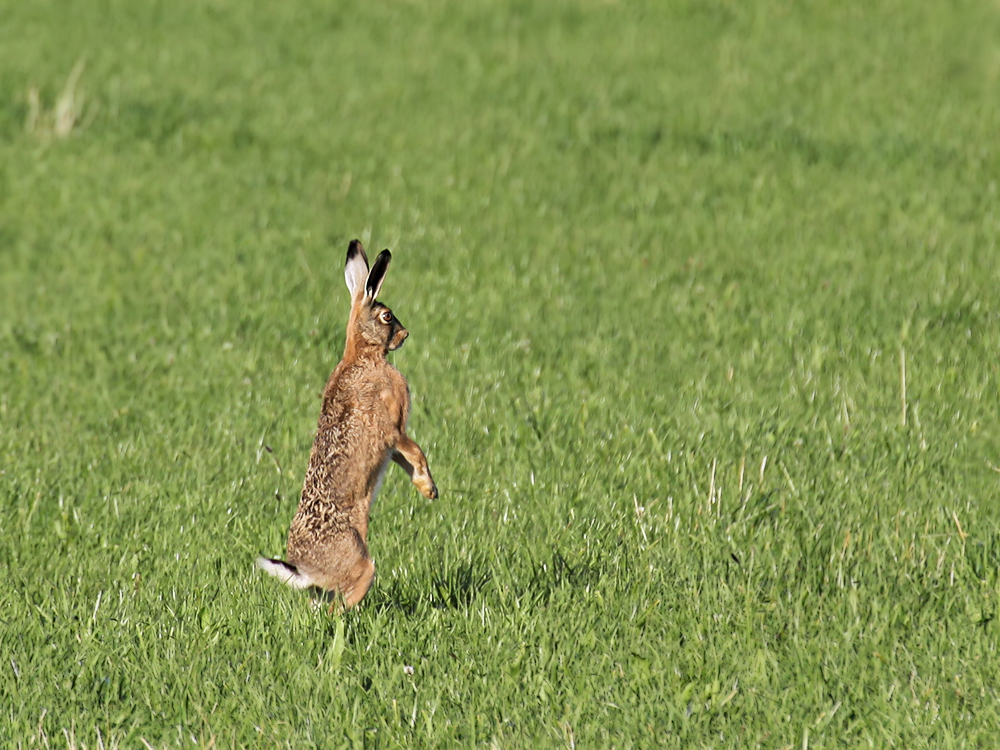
357, 348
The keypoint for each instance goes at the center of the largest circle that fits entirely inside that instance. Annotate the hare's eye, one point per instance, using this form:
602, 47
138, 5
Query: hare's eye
386, 316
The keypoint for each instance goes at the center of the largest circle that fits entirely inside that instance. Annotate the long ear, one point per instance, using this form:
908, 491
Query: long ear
377, 275
356, 270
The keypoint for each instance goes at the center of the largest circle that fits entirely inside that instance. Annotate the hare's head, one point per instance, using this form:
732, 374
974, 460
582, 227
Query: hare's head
371, 323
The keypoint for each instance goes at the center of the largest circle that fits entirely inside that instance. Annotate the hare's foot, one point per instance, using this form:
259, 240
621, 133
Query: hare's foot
426, 486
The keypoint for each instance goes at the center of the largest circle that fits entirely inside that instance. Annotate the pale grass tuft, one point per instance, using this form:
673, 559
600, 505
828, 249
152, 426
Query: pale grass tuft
902, 385
69, 105
41, 739
67, 114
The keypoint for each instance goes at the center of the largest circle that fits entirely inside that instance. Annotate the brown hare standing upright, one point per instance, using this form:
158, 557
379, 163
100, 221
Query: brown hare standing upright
366, 405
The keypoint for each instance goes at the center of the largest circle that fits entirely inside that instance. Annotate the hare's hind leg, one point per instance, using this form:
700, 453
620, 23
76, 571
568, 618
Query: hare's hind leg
351, 591
363, 573
349, 573
408, 455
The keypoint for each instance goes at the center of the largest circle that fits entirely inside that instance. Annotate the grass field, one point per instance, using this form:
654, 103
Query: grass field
703, 303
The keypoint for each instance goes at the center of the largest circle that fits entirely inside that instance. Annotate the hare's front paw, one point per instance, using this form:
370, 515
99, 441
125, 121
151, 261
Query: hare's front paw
426, 486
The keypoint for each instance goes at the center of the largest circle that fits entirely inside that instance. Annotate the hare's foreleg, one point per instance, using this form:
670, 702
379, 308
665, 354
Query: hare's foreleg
411, 458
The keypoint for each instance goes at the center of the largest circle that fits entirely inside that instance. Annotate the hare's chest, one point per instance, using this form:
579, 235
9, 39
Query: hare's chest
393, 399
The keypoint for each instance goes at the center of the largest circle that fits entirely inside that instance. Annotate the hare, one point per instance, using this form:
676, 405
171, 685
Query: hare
362, 425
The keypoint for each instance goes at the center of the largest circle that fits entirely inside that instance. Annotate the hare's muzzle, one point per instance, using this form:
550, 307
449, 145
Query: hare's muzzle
398, 337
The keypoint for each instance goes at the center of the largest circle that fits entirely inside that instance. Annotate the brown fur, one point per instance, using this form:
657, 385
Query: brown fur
362, 425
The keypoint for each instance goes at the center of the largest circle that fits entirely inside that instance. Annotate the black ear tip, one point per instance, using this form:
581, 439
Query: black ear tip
354, 248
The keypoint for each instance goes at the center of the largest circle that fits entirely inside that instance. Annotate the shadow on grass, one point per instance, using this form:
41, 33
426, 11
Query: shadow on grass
459, 585
455, 587
555, 573
982, 553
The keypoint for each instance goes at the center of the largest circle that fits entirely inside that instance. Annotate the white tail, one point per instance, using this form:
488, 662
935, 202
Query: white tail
285, 573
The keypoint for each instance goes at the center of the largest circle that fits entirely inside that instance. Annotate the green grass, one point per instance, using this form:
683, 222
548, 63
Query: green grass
661, 264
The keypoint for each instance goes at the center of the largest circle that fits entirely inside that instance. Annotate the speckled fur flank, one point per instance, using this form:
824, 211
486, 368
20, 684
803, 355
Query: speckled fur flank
362, 426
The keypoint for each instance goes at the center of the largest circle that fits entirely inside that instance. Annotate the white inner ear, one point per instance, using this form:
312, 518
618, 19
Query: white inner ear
356, 274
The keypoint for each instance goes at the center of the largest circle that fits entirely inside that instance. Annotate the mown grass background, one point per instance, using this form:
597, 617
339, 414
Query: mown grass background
664, 266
